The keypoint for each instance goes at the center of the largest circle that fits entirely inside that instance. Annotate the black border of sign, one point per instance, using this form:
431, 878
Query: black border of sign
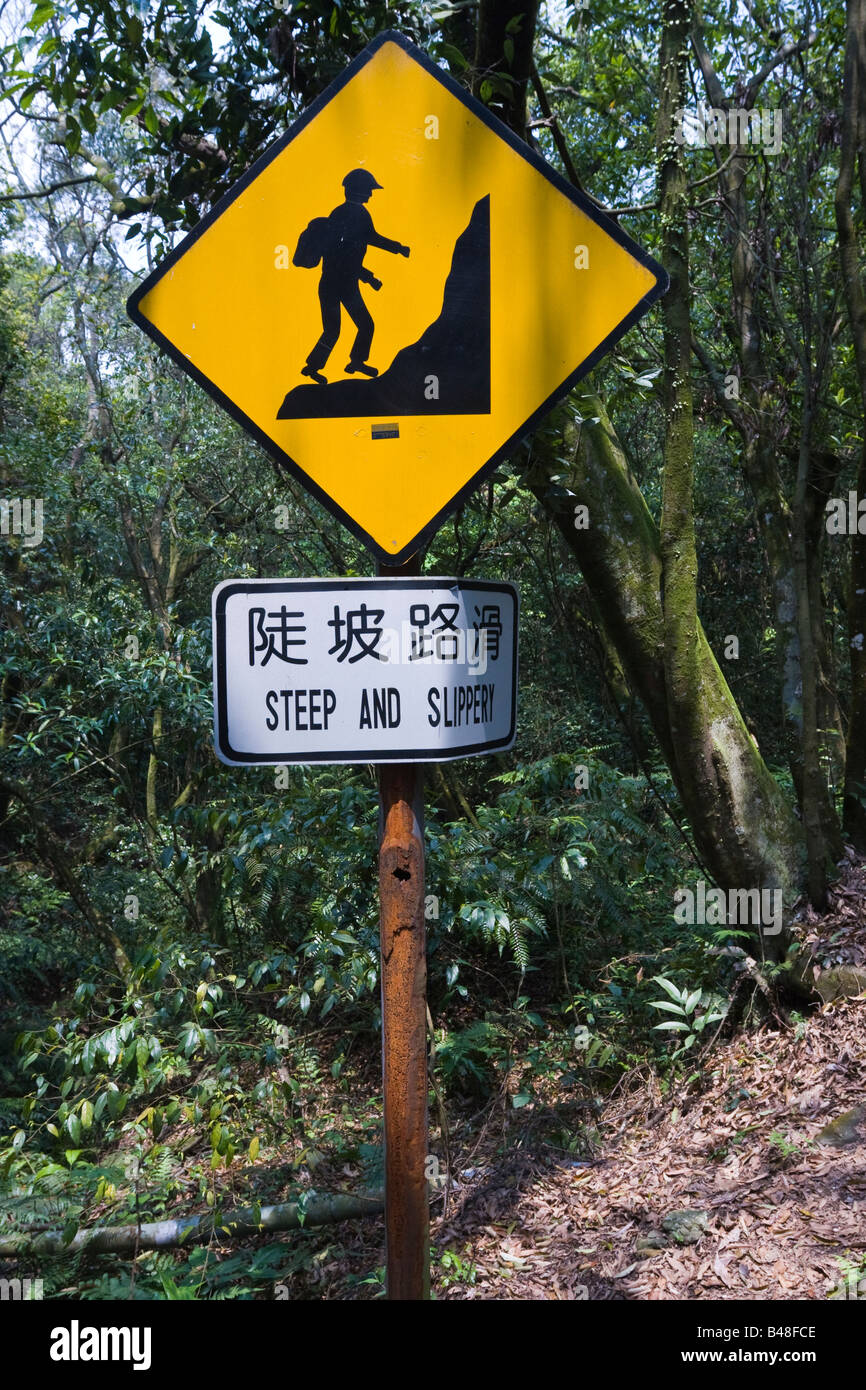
230, 756
520, 148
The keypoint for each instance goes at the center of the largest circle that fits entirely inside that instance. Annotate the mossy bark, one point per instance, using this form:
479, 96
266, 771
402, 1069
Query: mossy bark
744, 827
646, 591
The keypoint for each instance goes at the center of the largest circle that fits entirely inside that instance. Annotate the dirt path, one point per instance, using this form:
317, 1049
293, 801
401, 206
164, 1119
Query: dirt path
785, 1213
778, 1225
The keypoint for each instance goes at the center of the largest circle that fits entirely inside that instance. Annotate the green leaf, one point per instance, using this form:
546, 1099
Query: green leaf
693, 1000
453, 56
41, 15
72, 139
132, 108
671, 989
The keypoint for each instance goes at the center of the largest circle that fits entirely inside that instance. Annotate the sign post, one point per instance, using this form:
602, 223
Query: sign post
403, 966
496, 286
404, 1028
398, 671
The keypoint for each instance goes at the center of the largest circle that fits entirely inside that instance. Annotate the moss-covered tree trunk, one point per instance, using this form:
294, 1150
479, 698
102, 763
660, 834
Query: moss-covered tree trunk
744, 827
646, 592
678, 549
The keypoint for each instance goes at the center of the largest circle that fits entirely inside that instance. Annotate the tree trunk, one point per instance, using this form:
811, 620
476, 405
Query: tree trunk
814, 795
745, 831
193, 1230
755, 417
851, 154
744, 827
503, 58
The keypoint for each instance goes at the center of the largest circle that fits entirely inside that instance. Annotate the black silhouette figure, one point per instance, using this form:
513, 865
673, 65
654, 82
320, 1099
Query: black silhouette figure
341, 241
444, 372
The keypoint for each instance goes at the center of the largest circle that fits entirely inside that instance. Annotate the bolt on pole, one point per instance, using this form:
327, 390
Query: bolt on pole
404, 1018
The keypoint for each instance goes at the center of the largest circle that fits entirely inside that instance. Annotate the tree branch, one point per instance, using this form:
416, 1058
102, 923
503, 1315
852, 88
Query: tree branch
46, 192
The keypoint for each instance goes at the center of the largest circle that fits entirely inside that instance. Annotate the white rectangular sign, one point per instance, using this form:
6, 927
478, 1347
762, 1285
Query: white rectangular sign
363, 670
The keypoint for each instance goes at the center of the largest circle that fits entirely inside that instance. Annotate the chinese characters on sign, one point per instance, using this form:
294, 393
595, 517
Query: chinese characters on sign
364, 670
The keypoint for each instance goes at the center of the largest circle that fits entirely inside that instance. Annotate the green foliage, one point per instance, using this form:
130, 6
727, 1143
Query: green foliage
467, 1058
695, 1010
783, 1147
222, 1052
456, 1267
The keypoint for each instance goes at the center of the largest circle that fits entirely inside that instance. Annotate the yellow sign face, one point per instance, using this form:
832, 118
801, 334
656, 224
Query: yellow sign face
394, 294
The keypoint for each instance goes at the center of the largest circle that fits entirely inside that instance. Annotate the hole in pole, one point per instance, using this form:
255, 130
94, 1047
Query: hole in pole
402, 874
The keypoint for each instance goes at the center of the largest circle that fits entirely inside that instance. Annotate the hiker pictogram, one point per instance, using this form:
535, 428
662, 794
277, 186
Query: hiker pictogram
515, 285
445, 372
340, 243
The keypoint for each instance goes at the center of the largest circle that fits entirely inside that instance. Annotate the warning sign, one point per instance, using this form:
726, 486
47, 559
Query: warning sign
363, 670
395, 294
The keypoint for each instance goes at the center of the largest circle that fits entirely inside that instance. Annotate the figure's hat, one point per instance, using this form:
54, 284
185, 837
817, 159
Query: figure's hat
359, 181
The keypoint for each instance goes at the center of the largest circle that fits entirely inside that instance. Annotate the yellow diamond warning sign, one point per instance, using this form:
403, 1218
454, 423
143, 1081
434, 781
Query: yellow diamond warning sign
394, 294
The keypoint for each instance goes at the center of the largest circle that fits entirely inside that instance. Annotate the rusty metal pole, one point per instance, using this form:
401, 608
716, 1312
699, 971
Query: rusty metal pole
404, 1017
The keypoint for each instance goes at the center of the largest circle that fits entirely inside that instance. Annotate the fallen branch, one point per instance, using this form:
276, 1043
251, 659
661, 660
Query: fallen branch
192, 1230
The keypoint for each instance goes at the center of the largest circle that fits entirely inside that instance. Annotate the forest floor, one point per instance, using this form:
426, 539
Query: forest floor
566, 1196
784, 1209
784, 1213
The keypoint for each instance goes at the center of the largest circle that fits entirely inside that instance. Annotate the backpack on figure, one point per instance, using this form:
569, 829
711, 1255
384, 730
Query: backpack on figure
316, 238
